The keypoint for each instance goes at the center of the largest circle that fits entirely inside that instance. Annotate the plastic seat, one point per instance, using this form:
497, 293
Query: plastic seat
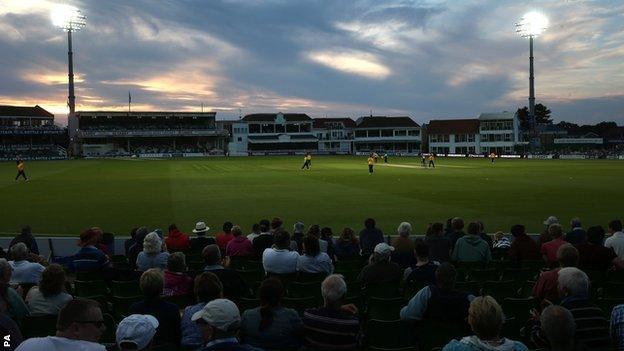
607, 304
245, 303
90, 275
125, 288
349, 275
348, 265
38, 326
251, 276
90, 288
389, 334
300, 304
311, 277
121, 305
500, 290
518, 307
481, 275
526, 290
383, 290
519, 275
385, 309
119, 258
469, 287
613, 290
299, 289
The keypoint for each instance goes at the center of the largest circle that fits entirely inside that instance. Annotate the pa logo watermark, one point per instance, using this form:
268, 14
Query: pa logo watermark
6, 342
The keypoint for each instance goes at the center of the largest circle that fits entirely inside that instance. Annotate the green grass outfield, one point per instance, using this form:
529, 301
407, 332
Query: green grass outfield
64, 197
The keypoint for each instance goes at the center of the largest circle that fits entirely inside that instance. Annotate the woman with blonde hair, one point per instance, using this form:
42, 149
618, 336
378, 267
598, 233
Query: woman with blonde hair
486, 319
152, 255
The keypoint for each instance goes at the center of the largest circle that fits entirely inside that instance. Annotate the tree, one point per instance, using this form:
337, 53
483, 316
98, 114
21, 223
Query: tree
542, 116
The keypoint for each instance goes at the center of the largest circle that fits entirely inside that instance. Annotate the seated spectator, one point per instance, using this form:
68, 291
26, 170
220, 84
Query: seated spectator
403, 253
441, 301
549, 249
501, 241
485, 318
315, 231
240, 246
617, 327
522, 248
592, 328
558, 328
328, 236
296, 242
369, 237
485, 236
347, 246
152, 255
177, 282
616, 238
28, 239
333, 326
279, 259
136, 332
271, 326
439, 245
234, 286
595, 257
423, 271
208, 287
471, 248
224, 237
264, 240
576, 235
255, 231
128, 243
24, 272
10, 330
15, 306
457, 227
380, 269
79, 327
219, 322
546, 285
134, 250
546, 236
313, 260
276, 224
176, 240
50, 296
201, 240
106, 243
168, 316
90, 258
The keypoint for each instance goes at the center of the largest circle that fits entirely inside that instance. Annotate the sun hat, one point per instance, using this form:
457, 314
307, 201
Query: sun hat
138, 329
200, 227
551, 220
220, 313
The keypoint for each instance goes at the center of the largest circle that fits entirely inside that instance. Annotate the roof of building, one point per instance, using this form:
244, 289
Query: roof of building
210, 114
270, 117
453, 126
24, 111
497, 115
320, 122
385, 122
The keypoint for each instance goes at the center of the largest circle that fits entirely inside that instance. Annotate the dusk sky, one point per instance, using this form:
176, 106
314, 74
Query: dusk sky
427, 59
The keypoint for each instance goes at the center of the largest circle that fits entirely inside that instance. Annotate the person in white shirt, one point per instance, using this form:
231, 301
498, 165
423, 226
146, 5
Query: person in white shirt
24, 272
80, 325
279, 259
616, 240
50, 296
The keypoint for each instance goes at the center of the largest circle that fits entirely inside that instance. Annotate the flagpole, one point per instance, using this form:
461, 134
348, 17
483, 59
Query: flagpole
129, 101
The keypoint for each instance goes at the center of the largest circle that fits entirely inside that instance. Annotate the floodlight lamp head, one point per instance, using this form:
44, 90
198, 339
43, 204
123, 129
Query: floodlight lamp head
532, 24
68, 18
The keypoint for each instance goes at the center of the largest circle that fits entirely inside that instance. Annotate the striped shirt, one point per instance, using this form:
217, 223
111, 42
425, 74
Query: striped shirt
90, 258
617, 326
592, 328
329, 329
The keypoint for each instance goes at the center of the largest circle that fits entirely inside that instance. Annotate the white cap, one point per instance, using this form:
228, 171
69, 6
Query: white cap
551, 220
383, 249
138, 329
220, 313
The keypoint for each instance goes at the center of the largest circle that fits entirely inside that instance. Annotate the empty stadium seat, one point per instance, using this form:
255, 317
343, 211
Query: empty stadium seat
389, 334
384, 309
481, 275
125, 288
382, 290
300, 304
469, 287
500, 290
90, 289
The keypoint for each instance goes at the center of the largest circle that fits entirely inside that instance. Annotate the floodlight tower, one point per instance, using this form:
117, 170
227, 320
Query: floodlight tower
70, 19
530, 26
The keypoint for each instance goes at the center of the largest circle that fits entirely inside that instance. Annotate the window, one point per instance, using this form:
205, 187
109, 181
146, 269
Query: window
433, 138
268, 128
400, 132
254, 128
460, 138
471, 138
292, 128
507, 137
240, 139
387, 133
360, 134
374, 133
305, 127
413, 132
279, 128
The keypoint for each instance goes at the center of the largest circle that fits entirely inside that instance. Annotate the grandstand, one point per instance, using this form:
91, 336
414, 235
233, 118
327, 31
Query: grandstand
148, 134
31, 133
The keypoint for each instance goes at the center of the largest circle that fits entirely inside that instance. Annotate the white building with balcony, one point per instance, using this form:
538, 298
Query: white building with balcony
335, 135
500, 132
386, 134
453, 136
280, 133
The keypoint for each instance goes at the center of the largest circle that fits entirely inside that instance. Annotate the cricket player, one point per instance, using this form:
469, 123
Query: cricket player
371, 164
431, 159
20, 169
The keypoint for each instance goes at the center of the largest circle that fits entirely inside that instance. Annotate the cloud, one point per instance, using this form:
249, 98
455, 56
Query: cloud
359, 63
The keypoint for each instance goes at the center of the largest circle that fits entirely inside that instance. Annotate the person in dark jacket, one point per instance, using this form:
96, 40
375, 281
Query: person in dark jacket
577, 234
128, 243
523, 248
167, 313
27, 238
369, 237
483, 235
380, 270
439, 245
234, 286
457, 226
347, 245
